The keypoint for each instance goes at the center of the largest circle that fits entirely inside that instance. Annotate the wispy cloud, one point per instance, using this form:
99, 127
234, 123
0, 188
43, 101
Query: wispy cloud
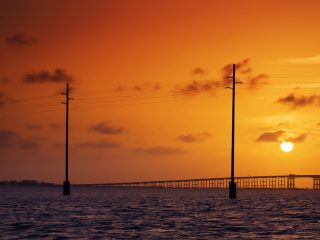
58, 75
141, 87
295, 101
102, 144
298, 139
241, 67
20, 39
281, 135
304, 61
198, 71
244, 74
10, 139
258, 80
106, 128
270, 136
190, 138
198, 87
159, 151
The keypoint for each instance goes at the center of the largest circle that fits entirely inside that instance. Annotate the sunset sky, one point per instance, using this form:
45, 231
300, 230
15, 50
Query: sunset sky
148, 80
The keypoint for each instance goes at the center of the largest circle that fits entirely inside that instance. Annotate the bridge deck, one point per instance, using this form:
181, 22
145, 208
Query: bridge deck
251, 182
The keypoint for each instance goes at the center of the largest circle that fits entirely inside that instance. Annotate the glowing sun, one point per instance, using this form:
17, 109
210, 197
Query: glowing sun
286, 146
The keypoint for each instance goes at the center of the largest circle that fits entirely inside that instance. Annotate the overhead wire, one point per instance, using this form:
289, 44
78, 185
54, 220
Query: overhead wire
161, 86
101, 100
30, 113
83, 100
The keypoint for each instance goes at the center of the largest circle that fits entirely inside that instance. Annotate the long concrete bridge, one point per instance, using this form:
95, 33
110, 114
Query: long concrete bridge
250, 182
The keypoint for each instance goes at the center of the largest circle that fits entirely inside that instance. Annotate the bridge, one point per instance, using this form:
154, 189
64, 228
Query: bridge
249, 182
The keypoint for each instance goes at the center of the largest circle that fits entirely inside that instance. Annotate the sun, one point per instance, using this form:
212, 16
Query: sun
286, 146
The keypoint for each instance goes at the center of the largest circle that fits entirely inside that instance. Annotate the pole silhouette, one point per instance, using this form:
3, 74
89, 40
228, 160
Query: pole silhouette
232, 184
66, 183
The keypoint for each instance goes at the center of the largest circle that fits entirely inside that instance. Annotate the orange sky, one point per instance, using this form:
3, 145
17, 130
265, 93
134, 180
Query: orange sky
149, 96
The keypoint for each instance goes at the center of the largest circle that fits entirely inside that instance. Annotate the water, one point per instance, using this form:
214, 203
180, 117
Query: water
106, 213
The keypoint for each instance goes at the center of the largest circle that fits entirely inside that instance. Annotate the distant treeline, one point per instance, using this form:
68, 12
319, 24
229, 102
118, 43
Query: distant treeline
25, 183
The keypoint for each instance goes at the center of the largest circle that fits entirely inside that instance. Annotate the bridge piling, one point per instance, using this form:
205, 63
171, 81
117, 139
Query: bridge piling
254, 182
316, 183
290, 182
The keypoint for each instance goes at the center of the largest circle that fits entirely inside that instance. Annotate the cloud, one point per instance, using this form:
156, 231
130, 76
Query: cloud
298, 139
102, 144
280, 135
33, 126
198, 87
243, 72
198, 71
20, 39
270, 136
9, 139
258, 80
295, 101
304, 61
106, 128
120, 89
160, 151
241, 67
58, 75
139, 87
189, 138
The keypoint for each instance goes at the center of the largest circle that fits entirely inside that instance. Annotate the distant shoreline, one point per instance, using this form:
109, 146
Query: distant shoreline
27, 183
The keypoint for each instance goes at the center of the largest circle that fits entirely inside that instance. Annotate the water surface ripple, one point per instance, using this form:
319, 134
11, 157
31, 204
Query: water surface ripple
115, 213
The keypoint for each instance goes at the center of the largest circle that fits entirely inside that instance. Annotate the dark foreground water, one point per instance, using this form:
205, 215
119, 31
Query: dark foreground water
93, 213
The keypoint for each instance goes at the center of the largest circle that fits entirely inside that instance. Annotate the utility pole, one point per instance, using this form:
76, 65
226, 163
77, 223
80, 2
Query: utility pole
232, 184
66, 183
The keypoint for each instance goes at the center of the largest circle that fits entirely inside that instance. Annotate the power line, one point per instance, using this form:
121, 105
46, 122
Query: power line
32, 99
31, 113
113, 105
144, 93
18, 108
109, 103
15, 106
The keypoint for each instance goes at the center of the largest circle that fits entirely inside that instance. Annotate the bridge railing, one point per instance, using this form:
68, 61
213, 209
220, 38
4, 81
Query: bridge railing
250, 182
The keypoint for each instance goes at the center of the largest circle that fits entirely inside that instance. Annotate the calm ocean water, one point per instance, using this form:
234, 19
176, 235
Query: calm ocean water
111, 213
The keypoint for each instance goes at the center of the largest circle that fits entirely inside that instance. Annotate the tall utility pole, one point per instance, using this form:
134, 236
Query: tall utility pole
232, 184
66, 183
